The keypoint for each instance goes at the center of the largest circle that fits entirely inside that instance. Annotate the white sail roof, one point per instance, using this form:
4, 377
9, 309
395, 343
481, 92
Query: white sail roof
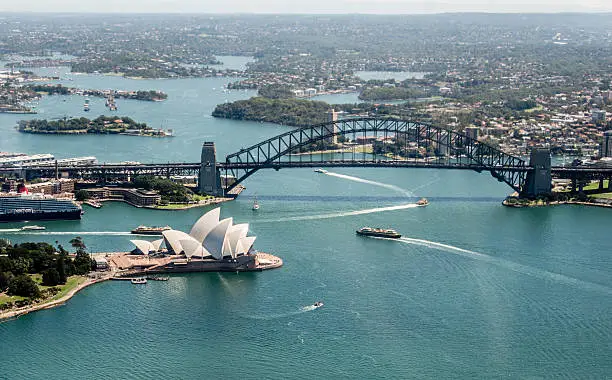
244, 245
143, 246
214, 240
205, 224
235, 233
192, 247
173, 240
157, 244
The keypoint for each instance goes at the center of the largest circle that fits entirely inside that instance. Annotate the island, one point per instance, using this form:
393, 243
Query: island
145, 95
101, 125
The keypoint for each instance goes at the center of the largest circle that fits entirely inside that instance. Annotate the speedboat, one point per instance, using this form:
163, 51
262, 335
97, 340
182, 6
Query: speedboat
317, 304
138, 280
32, 228
319, 170
422, 202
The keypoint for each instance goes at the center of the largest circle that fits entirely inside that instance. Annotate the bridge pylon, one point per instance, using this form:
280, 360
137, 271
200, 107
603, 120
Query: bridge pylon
210, 178
539, 179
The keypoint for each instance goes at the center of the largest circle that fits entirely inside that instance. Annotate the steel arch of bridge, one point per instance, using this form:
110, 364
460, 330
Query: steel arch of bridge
461, 151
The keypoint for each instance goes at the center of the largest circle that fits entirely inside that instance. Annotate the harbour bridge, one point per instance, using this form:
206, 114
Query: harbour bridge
359, 142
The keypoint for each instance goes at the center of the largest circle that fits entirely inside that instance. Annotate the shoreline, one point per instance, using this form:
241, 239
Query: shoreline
16, 313
557, 203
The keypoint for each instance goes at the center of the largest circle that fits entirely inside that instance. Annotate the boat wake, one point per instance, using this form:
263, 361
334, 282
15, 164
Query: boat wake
507, 264
75, 233
301, 310
374, 183
338, 214
10, 230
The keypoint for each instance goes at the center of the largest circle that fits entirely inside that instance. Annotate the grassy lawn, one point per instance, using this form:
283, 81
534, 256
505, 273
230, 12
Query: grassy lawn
172, 206
539, 107
604, 195
591, 186
70, 284
197, 197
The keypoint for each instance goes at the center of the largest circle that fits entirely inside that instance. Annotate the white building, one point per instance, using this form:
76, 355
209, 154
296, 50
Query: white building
209, 238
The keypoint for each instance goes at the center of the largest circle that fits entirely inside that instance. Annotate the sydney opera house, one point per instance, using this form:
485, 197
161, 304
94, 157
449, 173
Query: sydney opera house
211, 245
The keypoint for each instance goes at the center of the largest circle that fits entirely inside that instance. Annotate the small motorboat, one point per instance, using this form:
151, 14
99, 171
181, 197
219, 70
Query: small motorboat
139, 280
255, 205
32, 228
319, 170
422, 202
317, 304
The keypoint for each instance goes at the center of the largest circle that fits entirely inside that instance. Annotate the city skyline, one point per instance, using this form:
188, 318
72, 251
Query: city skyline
312, 7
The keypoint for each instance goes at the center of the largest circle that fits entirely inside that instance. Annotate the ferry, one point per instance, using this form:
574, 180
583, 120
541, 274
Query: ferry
422, 202
32, 228
144, 230
139, 280
319, 170
378, 232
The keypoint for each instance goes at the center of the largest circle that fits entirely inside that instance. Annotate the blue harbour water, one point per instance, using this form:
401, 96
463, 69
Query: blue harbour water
472, 290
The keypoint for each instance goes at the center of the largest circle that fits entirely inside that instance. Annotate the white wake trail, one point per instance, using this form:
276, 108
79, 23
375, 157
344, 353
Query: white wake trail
338, 214
516, 267
374, 183
77, 233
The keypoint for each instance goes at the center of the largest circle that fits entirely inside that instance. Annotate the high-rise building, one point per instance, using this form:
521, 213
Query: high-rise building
606, 145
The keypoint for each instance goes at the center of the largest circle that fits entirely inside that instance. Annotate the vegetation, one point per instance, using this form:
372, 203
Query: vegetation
23, 266
403, 92
81, 195
275, 91
293, 112
102, 124
169, 191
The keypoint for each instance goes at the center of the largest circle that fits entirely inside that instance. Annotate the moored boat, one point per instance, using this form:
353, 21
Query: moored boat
379, 232
139, 280
145, 230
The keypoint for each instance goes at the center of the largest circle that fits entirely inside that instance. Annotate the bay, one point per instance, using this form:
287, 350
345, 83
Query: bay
472, 290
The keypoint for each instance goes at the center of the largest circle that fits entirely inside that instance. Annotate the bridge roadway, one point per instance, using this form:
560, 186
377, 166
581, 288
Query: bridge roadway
185, 168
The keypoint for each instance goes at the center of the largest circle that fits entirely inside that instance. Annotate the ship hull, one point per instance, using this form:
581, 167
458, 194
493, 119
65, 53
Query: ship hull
146, 232
376, 234
58, 215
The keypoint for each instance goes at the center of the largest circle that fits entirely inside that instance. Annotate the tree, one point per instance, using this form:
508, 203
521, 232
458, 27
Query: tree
78, 243
50, 277
60, 266
82, 263
81, 195
5, 280
23, 286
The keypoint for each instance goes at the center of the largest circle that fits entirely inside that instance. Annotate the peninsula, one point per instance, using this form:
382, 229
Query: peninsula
101, 125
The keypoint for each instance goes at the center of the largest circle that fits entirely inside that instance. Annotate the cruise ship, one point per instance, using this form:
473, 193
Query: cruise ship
15, 207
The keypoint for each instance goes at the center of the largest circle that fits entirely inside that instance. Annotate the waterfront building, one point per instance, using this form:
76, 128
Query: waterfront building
209, 238
35, 159
135, 197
